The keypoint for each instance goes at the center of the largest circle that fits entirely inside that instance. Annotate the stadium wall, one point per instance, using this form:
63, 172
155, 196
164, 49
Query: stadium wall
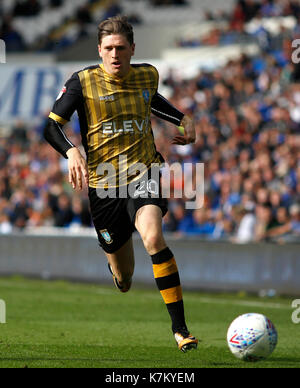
203, 265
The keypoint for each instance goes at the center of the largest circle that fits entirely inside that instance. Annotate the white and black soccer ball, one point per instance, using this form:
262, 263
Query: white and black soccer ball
252, 337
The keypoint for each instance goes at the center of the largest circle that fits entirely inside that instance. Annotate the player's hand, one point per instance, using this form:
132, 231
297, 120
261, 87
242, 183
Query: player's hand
78, 169
189, 132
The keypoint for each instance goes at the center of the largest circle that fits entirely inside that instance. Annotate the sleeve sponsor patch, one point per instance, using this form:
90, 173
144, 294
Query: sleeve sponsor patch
63, 91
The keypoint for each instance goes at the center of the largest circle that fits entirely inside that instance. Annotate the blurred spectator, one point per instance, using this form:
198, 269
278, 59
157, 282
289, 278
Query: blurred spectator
295, 219
19, 8
245, 221
20, 209
63, 214
158, 3
170, 222
13, 39
250, 8
134, 19
113, 9
81, 215
83, 18
56, 3
238, 17
27, 8
202, 223
5, 224
287, 227
19, 133
83, 15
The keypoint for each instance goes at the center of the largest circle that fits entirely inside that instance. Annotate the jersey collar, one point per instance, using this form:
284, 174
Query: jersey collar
115, 77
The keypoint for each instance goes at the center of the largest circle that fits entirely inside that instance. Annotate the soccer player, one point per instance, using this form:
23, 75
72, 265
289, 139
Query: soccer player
114, 101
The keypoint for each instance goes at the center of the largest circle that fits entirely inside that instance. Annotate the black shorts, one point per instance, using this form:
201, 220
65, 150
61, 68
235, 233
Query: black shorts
114, 218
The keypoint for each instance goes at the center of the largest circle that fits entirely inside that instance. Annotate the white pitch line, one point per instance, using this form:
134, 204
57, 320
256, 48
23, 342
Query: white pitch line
246, 303
243, 303
103, 291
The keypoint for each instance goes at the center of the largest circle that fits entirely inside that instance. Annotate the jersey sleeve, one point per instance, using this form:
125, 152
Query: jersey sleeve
163, 109
67, 101
56, 137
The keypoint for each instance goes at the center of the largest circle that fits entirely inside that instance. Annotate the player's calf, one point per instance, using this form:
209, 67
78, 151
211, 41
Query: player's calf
123, 284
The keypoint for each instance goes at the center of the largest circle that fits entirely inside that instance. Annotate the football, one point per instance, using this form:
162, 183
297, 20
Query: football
252, 337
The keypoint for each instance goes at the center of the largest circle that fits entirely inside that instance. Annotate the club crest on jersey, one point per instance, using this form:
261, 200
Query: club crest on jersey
146, 95
107, 237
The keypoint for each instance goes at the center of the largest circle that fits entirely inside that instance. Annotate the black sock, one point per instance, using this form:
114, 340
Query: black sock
168, 282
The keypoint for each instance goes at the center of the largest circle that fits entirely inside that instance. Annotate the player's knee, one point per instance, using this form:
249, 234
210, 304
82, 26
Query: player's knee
154, 243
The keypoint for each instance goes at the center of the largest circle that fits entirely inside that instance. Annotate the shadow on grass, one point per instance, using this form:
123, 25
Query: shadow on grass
274, 362
285, 360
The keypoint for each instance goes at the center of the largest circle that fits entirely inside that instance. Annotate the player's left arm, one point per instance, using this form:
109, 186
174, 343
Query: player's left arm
163, 109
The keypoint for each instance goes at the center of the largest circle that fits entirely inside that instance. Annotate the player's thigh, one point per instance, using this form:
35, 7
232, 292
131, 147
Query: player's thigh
112, 222
122, 261
148, 222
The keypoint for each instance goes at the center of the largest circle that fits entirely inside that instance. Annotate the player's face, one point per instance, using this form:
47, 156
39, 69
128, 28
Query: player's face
116, 53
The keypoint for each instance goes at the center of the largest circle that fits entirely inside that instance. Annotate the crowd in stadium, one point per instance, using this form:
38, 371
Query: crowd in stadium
244, 11
247, 117
247, 138
248, 122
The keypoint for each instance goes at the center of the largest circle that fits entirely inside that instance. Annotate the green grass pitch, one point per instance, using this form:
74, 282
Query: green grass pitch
66, 325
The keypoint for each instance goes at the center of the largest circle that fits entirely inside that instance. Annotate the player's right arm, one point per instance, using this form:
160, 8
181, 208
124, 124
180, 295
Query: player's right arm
64, 107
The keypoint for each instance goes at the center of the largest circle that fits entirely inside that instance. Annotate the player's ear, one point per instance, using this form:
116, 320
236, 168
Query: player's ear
99, 50
133, 49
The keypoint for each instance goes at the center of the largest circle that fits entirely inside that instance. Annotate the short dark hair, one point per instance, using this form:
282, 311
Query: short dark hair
116, 25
